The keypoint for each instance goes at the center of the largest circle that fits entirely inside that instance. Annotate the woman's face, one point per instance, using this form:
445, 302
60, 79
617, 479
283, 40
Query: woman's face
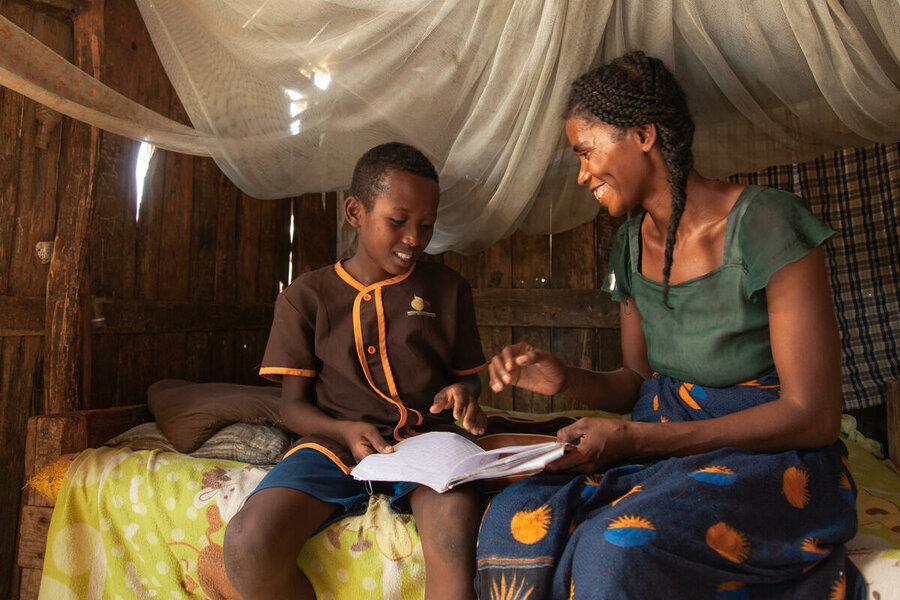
613, 163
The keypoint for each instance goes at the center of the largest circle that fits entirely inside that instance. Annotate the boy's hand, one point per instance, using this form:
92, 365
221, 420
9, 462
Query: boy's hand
458, 397
364, 439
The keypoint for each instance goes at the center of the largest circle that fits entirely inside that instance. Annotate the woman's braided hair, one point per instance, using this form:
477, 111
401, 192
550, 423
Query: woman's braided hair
634, 90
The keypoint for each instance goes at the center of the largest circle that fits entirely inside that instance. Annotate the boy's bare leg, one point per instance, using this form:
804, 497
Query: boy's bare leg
263, 539
448, 526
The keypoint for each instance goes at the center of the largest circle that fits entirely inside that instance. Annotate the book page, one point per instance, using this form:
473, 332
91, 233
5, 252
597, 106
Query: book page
428, 459
507, 461
500, 459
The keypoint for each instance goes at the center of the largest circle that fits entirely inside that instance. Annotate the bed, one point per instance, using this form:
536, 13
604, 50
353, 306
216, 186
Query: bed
144, 516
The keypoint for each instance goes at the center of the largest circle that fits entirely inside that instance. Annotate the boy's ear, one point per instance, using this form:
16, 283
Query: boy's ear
353, 210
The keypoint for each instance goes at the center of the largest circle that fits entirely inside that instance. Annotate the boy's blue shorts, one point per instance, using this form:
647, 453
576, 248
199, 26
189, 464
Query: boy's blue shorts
312, 472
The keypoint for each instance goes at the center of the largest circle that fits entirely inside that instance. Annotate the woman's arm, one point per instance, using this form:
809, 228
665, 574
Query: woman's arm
806, 349
524, 366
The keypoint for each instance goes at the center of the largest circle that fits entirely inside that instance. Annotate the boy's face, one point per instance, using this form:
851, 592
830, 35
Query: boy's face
395, 232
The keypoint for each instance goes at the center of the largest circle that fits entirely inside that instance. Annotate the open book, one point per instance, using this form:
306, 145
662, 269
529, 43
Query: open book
442, 460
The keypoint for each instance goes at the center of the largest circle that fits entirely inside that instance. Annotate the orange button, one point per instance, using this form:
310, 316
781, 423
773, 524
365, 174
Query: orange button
371, 349
367, 297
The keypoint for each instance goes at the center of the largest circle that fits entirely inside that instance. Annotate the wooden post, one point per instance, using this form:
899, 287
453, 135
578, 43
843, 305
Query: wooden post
892, 397
75, 199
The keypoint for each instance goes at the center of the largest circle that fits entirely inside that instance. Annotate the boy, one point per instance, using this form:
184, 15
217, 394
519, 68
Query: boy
374, 348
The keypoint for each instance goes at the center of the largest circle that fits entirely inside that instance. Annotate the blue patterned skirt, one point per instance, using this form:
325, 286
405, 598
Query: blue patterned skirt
726, 525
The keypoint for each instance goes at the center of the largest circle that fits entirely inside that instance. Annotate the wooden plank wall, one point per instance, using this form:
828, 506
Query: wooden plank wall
194, 299
185, 290
27, 215
196, 242
549, 284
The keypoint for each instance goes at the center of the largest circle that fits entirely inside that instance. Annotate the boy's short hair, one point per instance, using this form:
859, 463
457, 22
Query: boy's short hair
369, 173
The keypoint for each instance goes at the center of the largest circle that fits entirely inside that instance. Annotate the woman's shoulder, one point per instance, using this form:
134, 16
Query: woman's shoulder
767, 202
763, 212
775, 228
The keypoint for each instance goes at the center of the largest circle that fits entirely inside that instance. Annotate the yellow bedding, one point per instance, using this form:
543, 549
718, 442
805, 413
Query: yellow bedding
150, 524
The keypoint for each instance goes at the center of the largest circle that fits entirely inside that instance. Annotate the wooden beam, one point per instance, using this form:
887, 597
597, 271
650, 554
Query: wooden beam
34, 525
494, 307
29, 584
66, 281
26, 316
544, 307
59, 8
133, 316
101, 424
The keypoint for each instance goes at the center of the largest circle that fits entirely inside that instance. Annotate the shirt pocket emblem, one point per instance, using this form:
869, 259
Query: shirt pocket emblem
420, 307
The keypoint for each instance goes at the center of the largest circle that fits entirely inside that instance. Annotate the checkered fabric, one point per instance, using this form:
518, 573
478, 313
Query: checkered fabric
854, 192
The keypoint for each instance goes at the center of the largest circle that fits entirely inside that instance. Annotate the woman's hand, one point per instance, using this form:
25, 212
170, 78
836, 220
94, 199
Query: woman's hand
458, 397
527, 367
364, 439
599, 442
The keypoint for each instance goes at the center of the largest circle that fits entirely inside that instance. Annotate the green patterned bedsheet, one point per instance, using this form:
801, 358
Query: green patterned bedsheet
150, 524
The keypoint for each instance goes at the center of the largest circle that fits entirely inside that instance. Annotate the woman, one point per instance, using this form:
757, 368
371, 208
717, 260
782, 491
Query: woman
728, 482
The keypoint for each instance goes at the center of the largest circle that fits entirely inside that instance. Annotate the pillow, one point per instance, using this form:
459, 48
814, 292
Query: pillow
48, 480
243, 442
190, 413
146, 436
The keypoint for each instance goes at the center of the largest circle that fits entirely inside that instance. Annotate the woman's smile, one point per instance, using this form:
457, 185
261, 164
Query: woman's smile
600, 190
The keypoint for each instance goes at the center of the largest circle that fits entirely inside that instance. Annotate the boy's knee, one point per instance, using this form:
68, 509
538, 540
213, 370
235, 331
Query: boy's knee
244, 546
453, 521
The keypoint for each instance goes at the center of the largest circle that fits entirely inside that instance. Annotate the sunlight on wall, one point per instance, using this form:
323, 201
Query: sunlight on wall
290, 277
291, 253
142, 165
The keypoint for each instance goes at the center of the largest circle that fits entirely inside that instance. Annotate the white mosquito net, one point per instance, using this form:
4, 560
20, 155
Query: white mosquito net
285, 95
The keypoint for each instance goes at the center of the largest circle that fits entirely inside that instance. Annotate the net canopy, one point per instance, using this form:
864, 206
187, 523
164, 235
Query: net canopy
286, 95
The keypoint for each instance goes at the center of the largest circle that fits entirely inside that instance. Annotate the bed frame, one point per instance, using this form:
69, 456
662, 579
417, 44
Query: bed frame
48, 437
52, 436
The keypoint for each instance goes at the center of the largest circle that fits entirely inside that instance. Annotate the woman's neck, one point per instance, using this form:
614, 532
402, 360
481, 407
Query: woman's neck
707, 205
702, 205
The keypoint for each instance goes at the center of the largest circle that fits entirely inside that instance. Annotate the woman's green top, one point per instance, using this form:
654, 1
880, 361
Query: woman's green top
717, 332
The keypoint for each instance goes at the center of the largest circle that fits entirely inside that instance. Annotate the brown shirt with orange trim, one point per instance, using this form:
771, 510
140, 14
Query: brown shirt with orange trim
379, 353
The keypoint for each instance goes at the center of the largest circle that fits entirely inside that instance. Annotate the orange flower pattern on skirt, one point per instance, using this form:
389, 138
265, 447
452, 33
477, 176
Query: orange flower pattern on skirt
725, 525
